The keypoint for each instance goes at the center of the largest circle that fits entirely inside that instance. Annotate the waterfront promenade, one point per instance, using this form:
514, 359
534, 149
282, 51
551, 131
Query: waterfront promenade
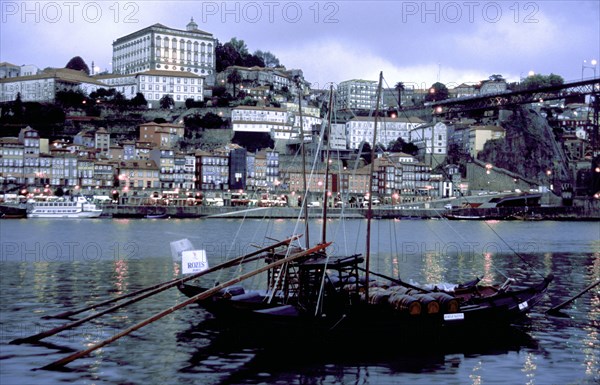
380, 212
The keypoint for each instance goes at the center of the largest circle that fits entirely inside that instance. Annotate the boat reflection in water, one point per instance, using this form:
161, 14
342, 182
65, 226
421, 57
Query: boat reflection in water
242, 358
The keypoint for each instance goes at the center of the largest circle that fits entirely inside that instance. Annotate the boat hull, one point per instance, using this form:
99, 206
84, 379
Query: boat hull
78, 208
82, 214
253, 313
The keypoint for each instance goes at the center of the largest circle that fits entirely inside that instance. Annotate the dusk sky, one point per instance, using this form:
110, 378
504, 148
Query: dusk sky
414, 42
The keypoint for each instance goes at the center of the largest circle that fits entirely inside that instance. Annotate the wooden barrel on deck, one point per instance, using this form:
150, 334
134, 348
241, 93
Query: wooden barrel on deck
405, 303
448, 303
403, 290
429, 304
378, 295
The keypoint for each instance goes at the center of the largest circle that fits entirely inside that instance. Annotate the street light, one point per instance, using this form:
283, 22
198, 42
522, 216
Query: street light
584, 65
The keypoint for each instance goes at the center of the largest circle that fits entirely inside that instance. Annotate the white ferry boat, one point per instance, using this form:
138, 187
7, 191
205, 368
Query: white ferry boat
78, 208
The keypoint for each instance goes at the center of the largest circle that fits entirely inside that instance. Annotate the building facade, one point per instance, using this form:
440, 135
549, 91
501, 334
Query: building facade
161, 134
357, 94
432, 141
360, 128
159, 47
44, 86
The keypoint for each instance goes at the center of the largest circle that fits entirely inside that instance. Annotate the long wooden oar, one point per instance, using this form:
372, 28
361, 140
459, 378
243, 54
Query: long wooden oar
233, 262
108, 301
556, 309
62, 362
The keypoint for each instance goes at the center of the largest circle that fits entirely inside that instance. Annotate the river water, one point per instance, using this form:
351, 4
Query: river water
49, 266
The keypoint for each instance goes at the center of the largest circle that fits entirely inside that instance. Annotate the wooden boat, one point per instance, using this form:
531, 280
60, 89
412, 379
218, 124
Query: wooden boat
12, 211
322, 295
311, 293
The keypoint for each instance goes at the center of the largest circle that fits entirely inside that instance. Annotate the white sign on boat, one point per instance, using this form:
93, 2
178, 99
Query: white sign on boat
193, 261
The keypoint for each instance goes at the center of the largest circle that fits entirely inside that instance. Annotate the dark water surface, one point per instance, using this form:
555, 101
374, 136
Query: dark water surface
49, 266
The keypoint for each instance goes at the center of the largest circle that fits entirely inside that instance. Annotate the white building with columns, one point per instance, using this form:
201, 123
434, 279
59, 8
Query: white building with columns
159, 47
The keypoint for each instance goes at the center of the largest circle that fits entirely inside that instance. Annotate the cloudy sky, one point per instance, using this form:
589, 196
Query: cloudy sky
416, 42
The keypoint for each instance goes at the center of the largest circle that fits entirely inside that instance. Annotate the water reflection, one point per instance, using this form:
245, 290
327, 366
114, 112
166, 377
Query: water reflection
185, 348
238, 358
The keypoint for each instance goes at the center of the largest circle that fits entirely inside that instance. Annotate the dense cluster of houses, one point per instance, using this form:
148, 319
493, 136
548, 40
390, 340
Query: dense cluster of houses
158, 61
91, 165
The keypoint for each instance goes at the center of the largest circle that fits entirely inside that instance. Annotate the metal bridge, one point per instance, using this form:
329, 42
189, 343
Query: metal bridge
513, 98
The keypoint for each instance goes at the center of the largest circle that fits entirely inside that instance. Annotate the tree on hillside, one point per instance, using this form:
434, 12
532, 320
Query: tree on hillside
17, 107
438, 91
538, 80
269, 60
78, 64
166, 102
365, 151
226, 56
139, 100
234, 78
253, 61
240, 46
253, 141
400, 88
235, 52
212, 120
400, 145
71, 98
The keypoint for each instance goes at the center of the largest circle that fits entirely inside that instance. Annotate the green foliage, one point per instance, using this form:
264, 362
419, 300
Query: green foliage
253, 141
239, 46
139, 100
103, 93
191, 103
456, 155
234, 78
211, 120
399, 87
538, 80
71, 99
235, 52
268, 59
438, 91
219, 91
166, 102
195, 124
248, 101
399, 145
46, 118
365, 151
78, 64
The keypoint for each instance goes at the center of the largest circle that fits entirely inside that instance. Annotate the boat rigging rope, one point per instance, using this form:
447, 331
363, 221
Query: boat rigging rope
487, 224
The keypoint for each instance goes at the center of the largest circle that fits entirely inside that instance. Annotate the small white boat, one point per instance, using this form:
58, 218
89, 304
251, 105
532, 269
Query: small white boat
77, 208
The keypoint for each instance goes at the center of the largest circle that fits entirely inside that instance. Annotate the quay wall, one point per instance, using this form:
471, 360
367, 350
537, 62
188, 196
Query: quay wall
583, 212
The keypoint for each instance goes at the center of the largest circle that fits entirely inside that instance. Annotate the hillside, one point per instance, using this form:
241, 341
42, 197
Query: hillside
528, 149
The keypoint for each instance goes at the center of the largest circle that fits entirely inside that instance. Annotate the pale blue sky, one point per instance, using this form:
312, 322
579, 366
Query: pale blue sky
416, 42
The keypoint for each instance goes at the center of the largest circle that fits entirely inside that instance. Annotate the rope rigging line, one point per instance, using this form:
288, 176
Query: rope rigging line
445, 173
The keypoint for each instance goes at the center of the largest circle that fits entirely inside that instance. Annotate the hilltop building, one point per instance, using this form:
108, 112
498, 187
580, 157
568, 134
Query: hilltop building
43, 87
159, 47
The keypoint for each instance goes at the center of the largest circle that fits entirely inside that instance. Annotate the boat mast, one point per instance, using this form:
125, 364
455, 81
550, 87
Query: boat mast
304, 199
370, 192
327, 158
